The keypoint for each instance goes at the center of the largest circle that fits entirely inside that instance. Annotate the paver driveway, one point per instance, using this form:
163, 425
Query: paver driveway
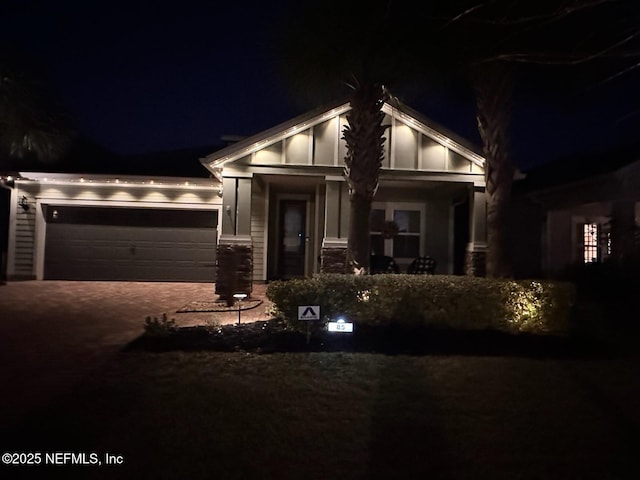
54, 333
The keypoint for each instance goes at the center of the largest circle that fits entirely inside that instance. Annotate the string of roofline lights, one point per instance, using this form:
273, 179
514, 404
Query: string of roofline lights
9, 180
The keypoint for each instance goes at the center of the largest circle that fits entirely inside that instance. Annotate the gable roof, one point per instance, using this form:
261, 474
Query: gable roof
414, 119
87, 157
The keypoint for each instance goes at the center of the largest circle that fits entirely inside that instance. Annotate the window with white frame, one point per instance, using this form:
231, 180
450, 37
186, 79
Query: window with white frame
397, 230
594, 241
590, 236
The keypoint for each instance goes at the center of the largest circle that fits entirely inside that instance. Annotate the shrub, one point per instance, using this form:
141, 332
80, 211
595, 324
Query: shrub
437, 301
607, 283
159, 327
607, 292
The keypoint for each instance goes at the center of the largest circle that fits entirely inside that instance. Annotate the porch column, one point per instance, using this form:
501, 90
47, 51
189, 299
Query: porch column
476, 257
234, 264
333, 254
623, 221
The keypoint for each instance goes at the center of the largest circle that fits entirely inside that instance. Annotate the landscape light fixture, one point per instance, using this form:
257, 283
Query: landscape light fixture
340, 326
239, 297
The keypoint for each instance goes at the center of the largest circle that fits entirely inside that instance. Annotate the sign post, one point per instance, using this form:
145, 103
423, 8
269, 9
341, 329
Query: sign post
309, 313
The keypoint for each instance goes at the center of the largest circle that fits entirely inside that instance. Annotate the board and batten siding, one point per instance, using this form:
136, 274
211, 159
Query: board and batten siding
407, 147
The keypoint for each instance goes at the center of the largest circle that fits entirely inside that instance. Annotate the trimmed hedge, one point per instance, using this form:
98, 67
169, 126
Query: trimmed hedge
436, 301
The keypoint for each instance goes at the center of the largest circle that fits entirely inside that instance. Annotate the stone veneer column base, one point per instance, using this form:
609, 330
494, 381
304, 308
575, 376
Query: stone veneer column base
234, 267
476, 260
333, 256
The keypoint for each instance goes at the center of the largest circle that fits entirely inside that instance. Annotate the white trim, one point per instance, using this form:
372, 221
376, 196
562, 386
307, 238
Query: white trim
442, 139
310, 139
308, 213
40, 238
393, 143
283, 150
125, 181
235, 240
128, 203
334, 242
271, 138
265, 235
389, 208
283, 131
477, 247
336, 147
385, 173
420, 153
334, 178
39, 242
13, 223
318, 231
583, 219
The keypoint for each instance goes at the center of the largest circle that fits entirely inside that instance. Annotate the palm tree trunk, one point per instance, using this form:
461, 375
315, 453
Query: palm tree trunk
364, 138
493, 89
359, 241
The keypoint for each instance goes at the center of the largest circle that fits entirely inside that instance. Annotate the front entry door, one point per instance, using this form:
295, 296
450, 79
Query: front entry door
293, 238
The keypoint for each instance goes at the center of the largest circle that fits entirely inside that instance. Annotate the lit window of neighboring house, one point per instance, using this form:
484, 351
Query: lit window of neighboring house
590, 242
593, 241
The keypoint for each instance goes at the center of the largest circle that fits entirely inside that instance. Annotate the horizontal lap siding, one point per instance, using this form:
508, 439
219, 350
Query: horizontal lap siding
25, 235
257, 233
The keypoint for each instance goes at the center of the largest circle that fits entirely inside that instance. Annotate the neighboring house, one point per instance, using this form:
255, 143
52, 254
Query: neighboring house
282, 201
581, 210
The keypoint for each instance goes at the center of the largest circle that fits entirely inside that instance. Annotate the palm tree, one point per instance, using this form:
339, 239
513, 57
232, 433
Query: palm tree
364, 139
402, 45
34, 127
492, 85
334, 48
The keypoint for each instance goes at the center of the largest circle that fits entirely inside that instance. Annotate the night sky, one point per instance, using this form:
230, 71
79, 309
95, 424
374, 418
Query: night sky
144, 77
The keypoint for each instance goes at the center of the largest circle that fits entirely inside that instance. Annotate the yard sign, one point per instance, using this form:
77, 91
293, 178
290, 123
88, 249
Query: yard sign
309, 312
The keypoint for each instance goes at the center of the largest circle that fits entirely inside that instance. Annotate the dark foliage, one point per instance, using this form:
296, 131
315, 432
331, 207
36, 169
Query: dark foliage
274, 336
613, 285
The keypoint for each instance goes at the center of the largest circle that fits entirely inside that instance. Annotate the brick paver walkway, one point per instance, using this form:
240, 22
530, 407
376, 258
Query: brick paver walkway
53, 333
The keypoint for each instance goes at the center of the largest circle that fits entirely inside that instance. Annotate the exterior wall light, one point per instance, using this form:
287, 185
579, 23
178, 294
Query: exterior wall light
24, 203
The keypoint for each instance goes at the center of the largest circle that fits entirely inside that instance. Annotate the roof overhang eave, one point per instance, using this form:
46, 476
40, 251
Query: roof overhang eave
219, 159
252, 144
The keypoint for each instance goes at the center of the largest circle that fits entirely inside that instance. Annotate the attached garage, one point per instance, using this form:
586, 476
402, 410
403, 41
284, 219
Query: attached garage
135, 244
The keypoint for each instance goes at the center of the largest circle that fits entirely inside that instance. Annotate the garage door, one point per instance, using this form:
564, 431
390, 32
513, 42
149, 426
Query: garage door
88, 243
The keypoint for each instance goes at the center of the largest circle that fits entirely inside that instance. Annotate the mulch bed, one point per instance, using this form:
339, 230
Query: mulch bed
274, 336
219, 306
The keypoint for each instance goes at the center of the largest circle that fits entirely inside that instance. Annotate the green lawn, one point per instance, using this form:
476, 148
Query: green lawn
346, 416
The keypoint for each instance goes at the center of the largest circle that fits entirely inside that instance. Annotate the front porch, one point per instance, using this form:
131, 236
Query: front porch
286, 203
278, 226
